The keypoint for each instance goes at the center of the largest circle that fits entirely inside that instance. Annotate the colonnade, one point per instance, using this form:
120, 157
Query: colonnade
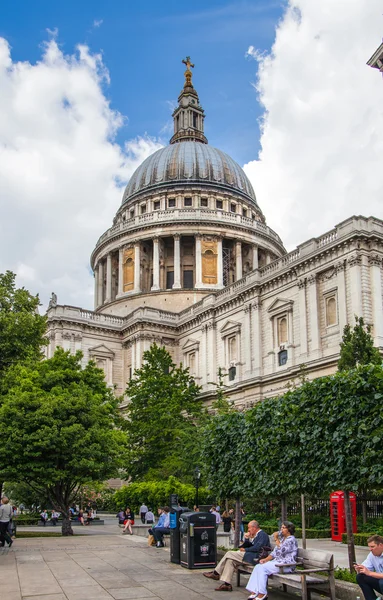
206, 274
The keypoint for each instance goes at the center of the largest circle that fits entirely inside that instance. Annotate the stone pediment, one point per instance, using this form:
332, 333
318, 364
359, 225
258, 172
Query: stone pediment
101, 351
280, 305
190, 345
230, 327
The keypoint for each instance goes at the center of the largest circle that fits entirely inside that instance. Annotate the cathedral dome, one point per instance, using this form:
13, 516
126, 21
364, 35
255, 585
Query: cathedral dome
187, 163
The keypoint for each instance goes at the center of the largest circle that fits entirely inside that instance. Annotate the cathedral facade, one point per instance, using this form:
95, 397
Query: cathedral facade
190, 263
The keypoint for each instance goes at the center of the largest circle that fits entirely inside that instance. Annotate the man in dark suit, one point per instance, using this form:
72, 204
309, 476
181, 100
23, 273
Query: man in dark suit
254, 540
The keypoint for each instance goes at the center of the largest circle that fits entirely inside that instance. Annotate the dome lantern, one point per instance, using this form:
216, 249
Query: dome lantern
189, 115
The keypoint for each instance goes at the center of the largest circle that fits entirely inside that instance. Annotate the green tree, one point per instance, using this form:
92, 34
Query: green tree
225, 459
357, 347
59, 426
22, 329
163, 419
221, 404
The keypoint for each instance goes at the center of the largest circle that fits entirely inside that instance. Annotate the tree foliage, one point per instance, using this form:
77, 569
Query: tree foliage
357, 347
221, 404
22, 329
157, 493
163, 418
59, 424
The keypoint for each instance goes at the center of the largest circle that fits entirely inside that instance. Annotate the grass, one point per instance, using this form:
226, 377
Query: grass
37, 534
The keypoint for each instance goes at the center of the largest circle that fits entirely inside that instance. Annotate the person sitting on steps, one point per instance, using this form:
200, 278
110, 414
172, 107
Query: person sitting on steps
255, 540
370, 572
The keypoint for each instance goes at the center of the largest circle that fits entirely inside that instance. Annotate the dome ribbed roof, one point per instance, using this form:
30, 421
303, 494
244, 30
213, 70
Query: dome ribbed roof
189, 162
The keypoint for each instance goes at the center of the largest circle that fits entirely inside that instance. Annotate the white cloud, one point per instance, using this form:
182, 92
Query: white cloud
61, 171
98, 22
322, 133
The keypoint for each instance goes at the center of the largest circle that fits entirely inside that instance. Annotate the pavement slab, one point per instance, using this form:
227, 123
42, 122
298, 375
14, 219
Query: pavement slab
100, 564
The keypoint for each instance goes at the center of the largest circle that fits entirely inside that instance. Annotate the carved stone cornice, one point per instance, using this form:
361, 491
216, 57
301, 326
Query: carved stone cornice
312, 279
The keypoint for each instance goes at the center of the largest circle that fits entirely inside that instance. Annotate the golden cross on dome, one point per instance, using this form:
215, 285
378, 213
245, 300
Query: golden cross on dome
188, 64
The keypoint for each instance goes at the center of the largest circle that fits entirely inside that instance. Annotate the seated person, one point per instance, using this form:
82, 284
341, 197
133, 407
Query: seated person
255, 540
285, 552
121, 516
89, 517
44, 517
162, 527
55, 517
129, 520
370, 572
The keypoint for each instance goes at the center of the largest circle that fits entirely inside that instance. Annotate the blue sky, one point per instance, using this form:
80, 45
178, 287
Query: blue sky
143, 43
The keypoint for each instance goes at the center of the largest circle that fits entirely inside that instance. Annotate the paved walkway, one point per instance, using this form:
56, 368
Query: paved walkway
102, 564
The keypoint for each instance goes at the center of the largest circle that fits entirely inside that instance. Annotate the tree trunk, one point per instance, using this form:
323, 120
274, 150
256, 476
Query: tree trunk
350, 535
66, 526
238, 520
284, 508
303, 522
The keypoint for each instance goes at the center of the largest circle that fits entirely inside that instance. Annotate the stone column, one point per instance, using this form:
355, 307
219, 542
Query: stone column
220, 263
255, 257
137, 267
375, 262
342, 304
302, 317
313, 316
238, 260
108, 295
138, 353
100, 283
198, 261
120, 271
204, 355
257, 338
133, 355
177, 263
156, 265
95, 287
268, 259
355, 263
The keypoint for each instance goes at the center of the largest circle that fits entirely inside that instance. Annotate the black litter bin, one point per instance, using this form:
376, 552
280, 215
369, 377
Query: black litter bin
175, 514
198, 540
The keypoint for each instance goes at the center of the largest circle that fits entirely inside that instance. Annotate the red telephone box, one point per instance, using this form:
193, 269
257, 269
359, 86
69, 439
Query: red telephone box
337, 515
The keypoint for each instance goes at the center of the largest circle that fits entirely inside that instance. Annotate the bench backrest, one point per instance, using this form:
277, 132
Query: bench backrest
313, 559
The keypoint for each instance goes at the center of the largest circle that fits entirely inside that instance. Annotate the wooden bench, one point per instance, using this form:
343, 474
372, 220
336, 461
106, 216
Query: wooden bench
303, 578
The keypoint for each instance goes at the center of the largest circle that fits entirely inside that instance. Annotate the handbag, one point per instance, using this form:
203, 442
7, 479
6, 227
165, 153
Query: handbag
264, 552
151, 540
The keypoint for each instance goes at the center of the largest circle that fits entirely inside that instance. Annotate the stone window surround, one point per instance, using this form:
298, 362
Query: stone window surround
279, 309
189, 349
229, 331
101, 352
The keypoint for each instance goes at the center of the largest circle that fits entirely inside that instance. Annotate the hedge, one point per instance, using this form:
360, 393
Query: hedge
311, 534
360, 539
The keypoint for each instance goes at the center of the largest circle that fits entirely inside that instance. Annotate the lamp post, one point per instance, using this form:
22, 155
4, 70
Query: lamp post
197, 475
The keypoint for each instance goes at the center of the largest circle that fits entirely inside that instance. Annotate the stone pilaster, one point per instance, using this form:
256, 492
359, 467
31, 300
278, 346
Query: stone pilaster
137, 267
313, 316
257, 337
355, 264
342, 304
177, 263
375, 262
302, 317
247, 332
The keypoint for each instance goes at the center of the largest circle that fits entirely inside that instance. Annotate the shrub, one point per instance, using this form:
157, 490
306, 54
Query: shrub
157, 493
311, 534
344, 575
360, 539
